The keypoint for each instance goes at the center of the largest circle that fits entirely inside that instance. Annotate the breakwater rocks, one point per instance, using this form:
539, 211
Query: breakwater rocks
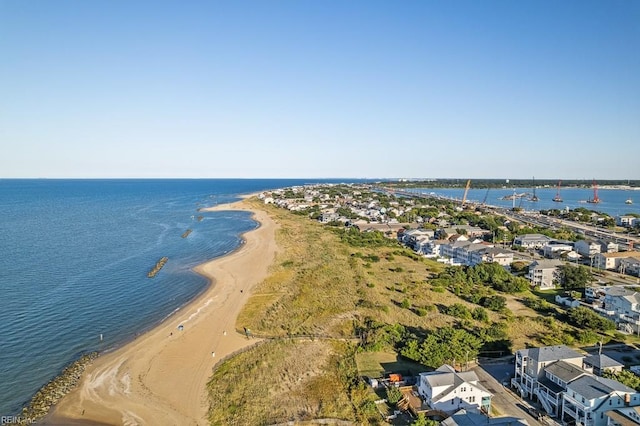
53, 391
152, 273
186, 233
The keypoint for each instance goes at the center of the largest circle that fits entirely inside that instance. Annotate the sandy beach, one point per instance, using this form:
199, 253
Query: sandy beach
160, 378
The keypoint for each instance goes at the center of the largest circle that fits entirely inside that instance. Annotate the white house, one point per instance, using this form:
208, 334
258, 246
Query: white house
554, 383
449, 391
544, 273
530, 364
533, 241
554, 248
623, 416
492, 255
464, 417
587, 248
628, 221
588, 398
612, 261
630, 266
623, 305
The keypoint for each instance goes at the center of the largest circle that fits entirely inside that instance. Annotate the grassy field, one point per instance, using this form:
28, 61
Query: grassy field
322, 287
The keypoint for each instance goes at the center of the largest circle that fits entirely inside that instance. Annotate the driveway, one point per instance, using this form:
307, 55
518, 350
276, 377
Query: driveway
504, 400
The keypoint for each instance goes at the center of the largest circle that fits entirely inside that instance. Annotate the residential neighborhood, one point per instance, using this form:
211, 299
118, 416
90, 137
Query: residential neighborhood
560, 384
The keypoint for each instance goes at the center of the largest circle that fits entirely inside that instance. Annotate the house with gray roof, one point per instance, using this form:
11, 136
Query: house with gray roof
588, 398
464, 417
544, 273
599, 363
447, 390
553, 376
624, 306
530, 366
554, 382
623, 416
492, 254
531, 241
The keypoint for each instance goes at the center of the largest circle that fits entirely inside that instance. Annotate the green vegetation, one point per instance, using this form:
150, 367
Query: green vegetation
444, 345
574, 276
625, 377
393, 395
586, 318
355, 238
339, 304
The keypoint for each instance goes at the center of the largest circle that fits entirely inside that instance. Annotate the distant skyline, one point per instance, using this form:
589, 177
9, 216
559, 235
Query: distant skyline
320, 89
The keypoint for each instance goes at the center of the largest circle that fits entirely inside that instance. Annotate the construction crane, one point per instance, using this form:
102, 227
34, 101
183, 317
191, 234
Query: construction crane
466, 191
484, 200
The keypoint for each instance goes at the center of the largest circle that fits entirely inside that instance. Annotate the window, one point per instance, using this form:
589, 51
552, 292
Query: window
472, 399
453, 401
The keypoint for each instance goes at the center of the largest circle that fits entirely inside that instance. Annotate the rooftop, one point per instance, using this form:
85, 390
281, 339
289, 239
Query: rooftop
593, 387
602, 361
565, 371
553, 353
470, 418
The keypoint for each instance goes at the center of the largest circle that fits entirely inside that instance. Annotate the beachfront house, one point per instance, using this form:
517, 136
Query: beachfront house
625, 416
623, 306
464, 417
530, 364
544, 273
588, 398
447, 390
598, 364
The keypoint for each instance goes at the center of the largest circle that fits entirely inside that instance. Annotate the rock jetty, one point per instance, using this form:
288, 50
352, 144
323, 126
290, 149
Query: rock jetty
186, 233
152, 273
53, 391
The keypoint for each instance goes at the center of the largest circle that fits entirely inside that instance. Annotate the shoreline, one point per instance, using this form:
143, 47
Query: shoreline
160, 377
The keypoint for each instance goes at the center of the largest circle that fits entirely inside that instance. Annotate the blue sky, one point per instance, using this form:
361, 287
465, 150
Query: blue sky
505, 89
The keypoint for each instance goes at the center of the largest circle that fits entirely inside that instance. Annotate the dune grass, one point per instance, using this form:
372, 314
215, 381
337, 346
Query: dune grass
322, 287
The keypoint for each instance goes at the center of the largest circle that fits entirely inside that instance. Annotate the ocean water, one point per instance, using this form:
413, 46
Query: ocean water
74, 257
612, 200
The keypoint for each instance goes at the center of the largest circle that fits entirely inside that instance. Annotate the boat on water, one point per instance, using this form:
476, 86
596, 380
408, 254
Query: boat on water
628, 201
557, 198
595, 199
534, 197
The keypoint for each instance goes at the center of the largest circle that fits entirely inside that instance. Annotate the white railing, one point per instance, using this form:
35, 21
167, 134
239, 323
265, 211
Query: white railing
543, 400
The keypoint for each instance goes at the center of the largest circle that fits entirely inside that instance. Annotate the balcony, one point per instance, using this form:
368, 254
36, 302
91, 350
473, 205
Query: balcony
630, 319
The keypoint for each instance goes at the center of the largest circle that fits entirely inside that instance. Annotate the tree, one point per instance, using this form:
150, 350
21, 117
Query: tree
625, 377
393, 395
422, 420
586, 318
445, 345
574, 276
495, 303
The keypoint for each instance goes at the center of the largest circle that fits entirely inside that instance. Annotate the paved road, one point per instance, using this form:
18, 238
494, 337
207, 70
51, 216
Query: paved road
505, 401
